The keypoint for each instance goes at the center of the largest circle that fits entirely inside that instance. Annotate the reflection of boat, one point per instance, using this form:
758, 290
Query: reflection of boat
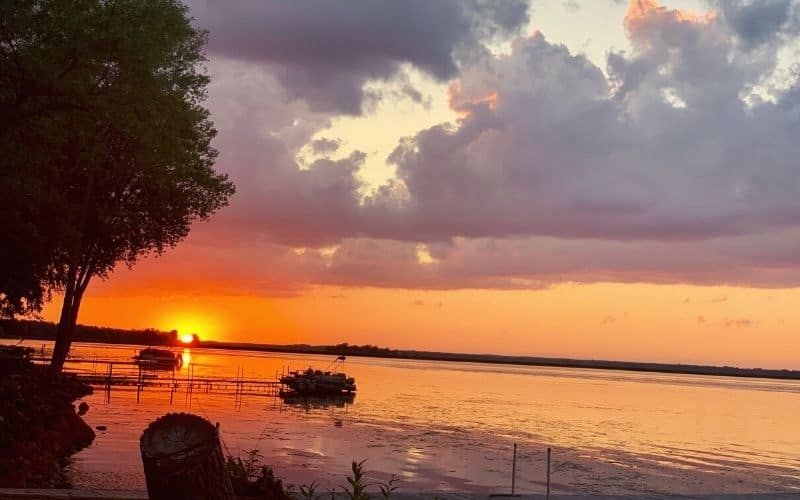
158, 358
312, 381
318, 401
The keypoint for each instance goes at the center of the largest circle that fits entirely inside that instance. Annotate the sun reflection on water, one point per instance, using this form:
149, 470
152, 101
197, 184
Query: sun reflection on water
186, 356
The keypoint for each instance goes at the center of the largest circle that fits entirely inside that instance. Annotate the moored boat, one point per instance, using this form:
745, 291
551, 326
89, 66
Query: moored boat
158, 358
311, 381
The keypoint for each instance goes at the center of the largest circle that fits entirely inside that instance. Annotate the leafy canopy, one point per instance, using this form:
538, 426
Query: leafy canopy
105, 145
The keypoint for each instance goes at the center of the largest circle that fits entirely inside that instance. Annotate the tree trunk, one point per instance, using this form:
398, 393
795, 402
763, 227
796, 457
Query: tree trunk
75, 286
183, 459
65, 329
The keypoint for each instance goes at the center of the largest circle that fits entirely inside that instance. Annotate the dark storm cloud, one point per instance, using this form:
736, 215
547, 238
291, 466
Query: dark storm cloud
325, 51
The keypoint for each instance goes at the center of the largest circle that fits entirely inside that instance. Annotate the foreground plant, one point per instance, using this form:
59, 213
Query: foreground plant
308, 491
252, 479
389, 487
357, 482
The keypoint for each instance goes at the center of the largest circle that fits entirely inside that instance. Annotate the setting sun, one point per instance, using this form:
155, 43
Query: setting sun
188, 323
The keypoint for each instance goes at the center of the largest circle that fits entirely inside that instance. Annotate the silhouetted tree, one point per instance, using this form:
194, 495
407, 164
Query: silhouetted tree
23, 257
102, 123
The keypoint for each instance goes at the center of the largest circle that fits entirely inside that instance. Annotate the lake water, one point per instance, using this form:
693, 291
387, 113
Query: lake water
451, 426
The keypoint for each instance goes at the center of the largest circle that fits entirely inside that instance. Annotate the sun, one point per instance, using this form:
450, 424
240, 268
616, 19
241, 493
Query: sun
189, 326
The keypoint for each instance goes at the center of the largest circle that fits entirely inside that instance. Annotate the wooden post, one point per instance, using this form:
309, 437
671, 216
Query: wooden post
514, 470
139, 384
548, 474
182, 459
173, 387
108, 382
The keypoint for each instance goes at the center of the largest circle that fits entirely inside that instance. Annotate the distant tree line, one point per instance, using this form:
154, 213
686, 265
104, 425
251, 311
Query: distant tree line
357, 350
42, 330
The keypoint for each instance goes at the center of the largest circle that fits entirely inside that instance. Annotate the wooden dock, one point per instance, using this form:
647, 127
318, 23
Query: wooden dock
205, 384
127, 373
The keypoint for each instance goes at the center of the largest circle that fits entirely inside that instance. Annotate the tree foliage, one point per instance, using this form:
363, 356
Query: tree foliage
105, 143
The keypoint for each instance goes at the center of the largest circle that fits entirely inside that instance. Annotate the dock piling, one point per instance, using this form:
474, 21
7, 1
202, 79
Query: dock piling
514, 470
547, 495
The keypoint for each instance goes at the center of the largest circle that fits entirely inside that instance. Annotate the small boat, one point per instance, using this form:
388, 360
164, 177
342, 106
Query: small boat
158, 358
313, 381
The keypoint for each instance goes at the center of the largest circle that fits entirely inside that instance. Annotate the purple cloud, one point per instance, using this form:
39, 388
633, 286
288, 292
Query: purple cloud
324, 52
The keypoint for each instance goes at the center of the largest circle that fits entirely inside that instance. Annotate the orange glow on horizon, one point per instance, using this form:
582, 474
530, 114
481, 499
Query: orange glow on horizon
187, 338
635, 321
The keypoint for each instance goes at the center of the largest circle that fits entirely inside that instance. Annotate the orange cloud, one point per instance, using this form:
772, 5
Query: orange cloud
461, 102
642, 12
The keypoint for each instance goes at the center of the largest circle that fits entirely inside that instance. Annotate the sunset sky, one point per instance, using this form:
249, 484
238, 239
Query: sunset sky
588, 179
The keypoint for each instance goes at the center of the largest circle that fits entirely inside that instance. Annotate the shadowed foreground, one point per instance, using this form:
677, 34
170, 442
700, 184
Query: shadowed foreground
39, 426
73, 494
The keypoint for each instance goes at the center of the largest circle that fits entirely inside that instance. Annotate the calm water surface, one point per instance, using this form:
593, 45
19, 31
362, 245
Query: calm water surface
451, 426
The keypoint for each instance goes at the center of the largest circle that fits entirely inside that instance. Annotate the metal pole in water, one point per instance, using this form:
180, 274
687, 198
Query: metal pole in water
514, 470
108, 383
548, 474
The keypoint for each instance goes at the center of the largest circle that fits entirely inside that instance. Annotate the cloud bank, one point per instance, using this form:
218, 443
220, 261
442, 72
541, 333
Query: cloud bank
675, 163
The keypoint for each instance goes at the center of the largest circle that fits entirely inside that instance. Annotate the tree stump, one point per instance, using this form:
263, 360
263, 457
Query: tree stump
183, 459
